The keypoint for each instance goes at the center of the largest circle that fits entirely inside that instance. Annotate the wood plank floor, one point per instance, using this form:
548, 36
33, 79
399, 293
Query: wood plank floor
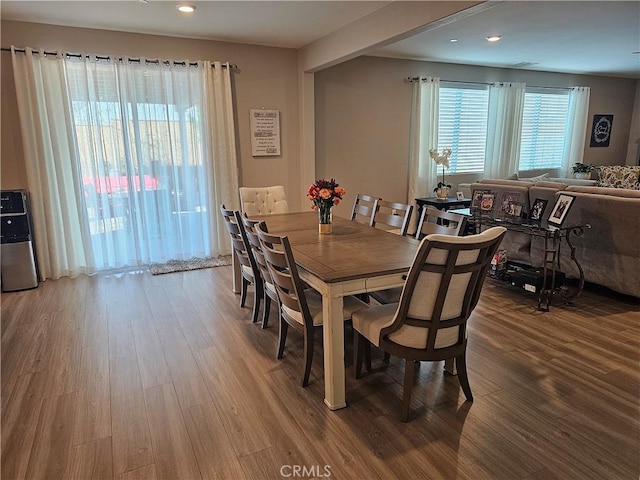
133, 376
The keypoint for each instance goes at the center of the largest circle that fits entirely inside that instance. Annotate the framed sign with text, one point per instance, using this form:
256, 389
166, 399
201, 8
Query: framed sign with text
601, 130
265, 132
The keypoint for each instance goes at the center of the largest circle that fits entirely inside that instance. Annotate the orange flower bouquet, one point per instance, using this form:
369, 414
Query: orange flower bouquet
325, 194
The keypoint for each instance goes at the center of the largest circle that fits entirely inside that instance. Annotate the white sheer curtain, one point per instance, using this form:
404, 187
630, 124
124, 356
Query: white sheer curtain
221, 150
63, 243
149, 154
576, 128
504, 127
423, 136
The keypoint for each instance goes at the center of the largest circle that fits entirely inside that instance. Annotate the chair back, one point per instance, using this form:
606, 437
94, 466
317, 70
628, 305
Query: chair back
263, 200
240, 242
250, 227
442, 289
433, 220
392, 214
364, 207
284, 272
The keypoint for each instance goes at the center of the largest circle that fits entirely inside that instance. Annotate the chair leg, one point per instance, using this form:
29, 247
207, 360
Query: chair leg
408, 387
367, 354
243, 294
257, 298
267, 309
282, 337
357, 353
461, 366
308, 357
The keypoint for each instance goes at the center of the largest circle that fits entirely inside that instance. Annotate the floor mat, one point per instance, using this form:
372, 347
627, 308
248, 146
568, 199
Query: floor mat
184, 265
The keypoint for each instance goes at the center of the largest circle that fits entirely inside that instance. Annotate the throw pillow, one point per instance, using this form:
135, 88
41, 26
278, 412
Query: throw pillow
619, 176
540, 178
512, 177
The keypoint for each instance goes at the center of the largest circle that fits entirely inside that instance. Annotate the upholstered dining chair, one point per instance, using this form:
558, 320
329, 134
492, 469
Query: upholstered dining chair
431, 220
263, 200
429, 323
364, 206
248, 266
269, 289
392, 214
300, 308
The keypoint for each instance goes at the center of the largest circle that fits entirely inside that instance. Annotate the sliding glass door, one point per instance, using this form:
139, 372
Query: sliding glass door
139, 134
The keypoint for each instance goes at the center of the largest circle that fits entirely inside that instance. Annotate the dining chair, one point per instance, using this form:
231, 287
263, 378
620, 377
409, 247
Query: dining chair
269, 289
392, 214
248, 266
300, 308
432, 220
364, 206
429, 322
263, 200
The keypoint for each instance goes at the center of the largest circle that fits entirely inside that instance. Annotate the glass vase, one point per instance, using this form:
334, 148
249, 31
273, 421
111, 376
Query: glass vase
325, 220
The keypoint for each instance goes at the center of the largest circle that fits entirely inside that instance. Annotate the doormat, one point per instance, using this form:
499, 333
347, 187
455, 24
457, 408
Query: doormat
184, 265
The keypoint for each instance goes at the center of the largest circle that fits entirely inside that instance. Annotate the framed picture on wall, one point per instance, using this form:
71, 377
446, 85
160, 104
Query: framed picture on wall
601, 130
560, 209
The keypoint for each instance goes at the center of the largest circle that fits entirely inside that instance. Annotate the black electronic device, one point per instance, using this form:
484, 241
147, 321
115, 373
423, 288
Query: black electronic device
533, 279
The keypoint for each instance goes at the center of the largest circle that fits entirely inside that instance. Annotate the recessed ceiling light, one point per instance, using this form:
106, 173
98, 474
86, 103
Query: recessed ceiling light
186, 8
494, 38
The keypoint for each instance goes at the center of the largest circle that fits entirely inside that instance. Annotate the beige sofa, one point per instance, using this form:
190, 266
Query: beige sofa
609, 252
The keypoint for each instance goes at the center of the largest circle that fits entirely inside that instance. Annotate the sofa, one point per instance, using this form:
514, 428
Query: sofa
609, 252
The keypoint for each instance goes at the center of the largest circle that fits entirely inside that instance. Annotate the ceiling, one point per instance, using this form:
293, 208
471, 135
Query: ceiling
585, 37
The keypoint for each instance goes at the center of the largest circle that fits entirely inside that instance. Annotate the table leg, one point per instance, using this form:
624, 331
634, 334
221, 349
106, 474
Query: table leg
333, 335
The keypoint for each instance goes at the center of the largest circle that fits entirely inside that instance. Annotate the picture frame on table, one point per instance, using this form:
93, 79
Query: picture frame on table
459, 196
486, 203
514, 210
560, 209
537, 209
508, 198
476, 199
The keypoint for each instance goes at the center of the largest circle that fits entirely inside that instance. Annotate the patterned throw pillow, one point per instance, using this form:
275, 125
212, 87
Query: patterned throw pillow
619, 176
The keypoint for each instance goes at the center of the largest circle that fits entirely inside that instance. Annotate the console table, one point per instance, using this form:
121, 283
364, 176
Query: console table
553, 237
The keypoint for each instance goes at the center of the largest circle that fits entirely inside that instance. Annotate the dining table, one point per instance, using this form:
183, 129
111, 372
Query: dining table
355, 258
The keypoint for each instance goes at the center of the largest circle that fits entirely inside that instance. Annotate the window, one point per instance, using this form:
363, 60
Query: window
544, 125
463, 125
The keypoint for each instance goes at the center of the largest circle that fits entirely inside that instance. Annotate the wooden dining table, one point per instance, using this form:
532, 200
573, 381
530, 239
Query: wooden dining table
355, 258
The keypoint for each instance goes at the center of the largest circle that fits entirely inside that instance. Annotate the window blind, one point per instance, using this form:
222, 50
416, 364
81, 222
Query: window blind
544, 125
463, 126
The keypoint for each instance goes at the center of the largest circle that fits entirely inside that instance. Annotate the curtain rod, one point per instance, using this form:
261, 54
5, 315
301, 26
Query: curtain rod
416, 79
120, 59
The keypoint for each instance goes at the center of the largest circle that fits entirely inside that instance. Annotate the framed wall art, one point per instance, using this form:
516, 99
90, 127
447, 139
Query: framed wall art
265, 132
601, 130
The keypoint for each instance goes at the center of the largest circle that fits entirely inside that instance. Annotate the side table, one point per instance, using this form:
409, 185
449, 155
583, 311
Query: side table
441, 204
